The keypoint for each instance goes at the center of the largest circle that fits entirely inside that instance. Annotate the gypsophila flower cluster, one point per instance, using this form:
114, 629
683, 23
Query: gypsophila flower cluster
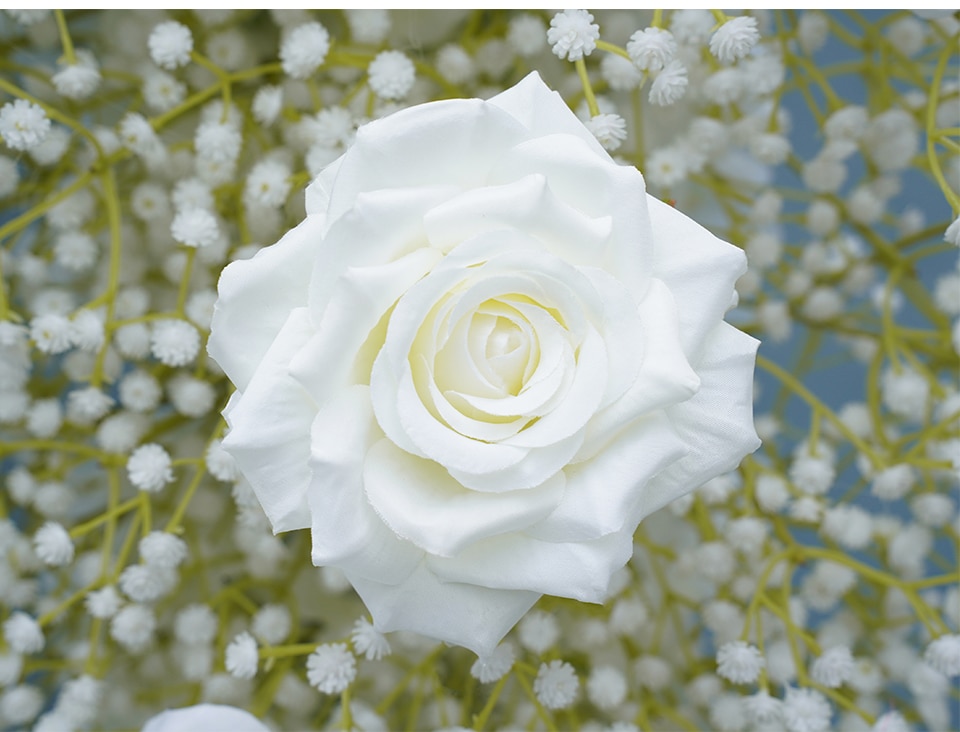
812, 587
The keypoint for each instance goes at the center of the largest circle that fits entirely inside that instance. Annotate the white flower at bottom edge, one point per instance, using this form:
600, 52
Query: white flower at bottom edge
205, 718
483, 357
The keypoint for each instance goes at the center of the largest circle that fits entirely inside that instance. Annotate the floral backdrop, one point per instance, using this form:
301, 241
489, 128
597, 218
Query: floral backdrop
395, 370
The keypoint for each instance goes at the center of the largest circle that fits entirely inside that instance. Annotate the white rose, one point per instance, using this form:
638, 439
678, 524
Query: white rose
484, 356
205, 718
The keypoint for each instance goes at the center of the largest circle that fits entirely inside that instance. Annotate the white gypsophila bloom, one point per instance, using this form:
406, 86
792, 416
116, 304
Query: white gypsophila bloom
823, 303
103, 603
725, 86
241, 656
51, 333
763, 709
199, 307
11, 666
53, 544
190, 396
606, 687
79, 699
20, 704
454, 64
139, 391
905, 393
747, 534
304, 49
27, 16
146, 583
824, 174
734, 39
133, 627
848, 525
149, 201
724, 618
161, 91
774, 317
907, 35
170, 44
192, 193
149, 468
44, 418
526, 35
368, 25
267, 104
496, 665
573, 34
834, 667
727, 713
391, 75
891, 722
943, 654
137, 135
75, 250
669, 85
334, 127
218, 142
666, 166
220, 464
22, 633
13, 405
652, 672
89, 404
715, 561
770, 148
932, 509
195, 625
739, 662
556, 685
132, 340
271, 624
691, 26
174, 342
229, 49
846, 123
628, 616
368, 640
331, 668
946, 293
268, 183
162, 549
78, 80
609, 129
812, 31
651, 49
619, 73
812, 475
23, 125
53, 147
806, 710
538, 631
823, 217
9, 176
894, 482
87, 330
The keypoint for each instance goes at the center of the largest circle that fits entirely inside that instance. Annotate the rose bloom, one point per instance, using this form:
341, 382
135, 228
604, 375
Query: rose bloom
483, 357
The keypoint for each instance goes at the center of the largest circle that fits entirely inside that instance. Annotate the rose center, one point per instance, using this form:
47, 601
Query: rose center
507, 351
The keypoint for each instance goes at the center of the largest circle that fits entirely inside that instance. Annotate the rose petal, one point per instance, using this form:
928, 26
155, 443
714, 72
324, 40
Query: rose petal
602, 491
716, 424
578, 570
463, 614
698, 268
665, 376
269, 433
461, 139
543, 111
597, 187
380, 227
360, 298
421, 502
346, 531
526, 205
255, 298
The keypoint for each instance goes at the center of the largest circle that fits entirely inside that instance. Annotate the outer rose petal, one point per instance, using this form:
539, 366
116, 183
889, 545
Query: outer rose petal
270, 430
700, 273
466, 615
716, 424
205, 718
255, 298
